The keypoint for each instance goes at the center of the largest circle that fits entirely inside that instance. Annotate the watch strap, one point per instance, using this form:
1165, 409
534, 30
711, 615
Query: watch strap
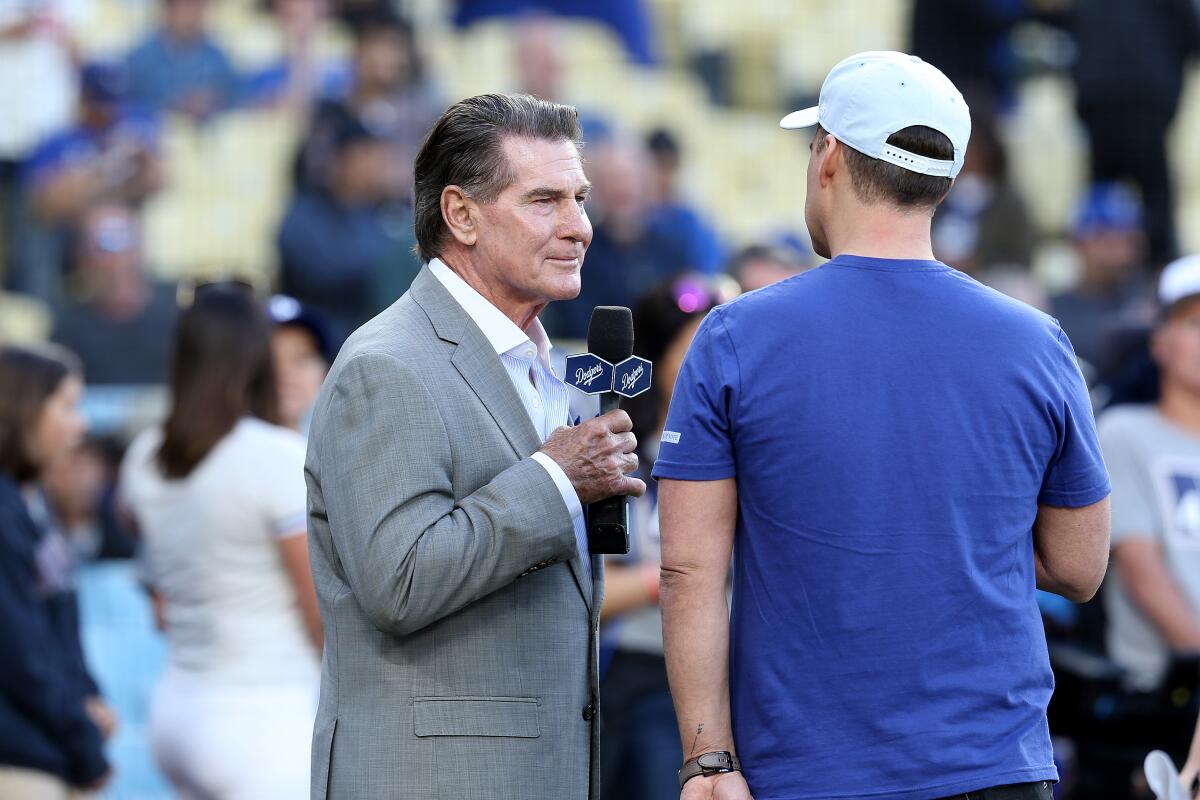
713, 763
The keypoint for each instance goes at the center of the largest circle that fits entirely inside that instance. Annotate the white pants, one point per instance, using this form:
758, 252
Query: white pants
224, 742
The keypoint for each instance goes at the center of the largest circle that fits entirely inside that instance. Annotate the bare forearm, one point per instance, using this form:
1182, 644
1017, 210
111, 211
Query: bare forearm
626, 589
1170, 613
696, 642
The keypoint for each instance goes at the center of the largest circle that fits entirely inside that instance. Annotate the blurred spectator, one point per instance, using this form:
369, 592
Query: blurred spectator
218, 496
302, 354
390, 96
540, 65
628, 18
639, 741
672, 215
35, 46
1111, 293
335, 241
627, 255
179, 67
81, 490
1128, 80
118, 322
1152, 596
761, 265
110, 155
300, 75
983, 223
51, 721
969, 41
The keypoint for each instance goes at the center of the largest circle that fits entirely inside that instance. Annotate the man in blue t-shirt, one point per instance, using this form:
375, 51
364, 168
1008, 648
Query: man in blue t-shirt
901, 456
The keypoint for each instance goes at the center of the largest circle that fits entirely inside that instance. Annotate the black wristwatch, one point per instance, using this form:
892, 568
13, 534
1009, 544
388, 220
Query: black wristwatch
709, 764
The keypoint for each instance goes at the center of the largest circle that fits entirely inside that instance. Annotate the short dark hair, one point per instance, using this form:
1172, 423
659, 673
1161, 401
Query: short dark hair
221, 371
878, 181
466, 149
27, 379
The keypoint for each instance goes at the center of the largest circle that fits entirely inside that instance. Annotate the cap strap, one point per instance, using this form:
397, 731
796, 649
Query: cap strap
916, 163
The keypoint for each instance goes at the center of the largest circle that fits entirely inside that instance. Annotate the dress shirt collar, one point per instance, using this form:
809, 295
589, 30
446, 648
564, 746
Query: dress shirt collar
500, 331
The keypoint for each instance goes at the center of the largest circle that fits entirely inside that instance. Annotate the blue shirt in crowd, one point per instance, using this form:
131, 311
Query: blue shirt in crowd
892, 427
164, 72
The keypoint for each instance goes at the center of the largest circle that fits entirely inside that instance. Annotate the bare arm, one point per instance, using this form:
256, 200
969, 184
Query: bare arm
1071, 549
628, 588
293, 550
1154, 592
698, 519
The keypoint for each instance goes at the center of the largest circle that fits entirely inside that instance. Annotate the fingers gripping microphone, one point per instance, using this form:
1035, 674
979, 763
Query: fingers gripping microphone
610, 337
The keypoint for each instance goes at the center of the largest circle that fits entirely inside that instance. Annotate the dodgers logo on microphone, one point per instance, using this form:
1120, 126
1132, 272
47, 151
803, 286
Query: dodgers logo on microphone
632, 376
589, 373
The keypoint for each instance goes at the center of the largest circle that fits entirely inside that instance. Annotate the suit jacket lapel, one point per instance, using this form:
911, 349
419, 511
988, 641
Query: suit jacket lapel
476, 360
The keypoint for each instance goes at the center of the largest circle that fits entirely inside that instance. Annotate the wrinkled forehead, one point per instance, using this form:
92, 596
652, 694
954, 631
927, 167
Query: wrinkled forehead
553, 163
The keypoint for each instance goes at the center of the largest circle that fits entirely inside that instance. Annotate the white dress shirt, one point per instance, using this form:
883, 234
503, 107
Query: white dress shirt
527, 360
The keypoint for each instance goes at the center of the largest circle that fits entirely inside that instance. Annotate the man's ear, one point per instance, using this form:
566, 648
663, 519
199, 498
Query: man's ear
830, 159
461, 215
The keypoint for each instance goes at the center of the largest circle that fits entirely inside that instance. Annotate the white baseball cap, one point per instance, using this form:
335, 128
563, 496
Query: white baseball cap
1179, 280
868, 97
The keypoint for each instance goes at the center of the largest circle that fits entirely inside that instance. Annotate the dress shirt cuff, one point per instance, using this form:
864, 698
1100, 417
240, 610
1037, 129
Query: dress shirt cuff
563, 483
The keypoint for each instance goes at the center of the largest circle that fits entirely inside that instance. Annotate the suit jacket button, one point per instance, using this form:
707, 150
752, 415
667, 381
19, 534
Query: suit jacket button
589, 712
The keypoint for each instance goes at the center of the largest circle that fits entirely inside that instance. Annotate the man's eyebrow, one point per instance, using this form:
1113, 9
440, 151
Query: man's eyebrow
550, 191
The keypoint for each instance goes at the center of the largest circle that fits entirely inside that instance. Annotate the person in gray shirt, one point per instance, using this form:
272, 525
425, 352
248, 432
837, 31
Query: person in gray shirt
1153, 458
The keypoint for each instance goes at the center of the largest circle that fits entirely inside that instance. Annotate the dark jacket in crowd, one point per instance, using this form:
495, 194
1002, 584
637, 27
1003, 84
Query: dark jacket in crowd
1133, 53
43, 682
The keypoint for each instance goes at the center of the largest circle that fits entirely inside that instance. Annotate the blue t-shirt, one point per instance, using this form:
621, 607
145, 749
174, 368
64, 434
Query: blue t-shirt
892, 427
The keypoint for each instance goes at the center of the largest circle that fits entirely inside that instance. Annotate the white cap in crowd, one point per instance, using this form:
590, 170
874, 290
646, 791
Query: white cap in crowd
1179, 281
868, 97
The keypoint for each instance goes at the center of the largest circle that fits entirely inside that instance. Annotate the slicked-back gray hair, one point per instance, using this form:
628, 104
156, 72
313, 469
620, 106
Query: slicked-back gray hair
465, 148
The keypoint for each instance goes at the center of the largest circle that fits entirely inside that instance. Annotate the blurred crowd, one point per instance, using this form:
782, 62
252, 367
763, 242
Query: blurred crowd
82, 157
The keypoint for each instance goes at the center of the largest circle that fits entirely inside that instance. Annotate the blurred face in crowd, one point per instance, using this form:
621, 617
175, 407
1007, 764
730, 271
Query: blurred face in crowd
300, 16
1176, 346
383, 59
109, 261
531, 239
185, 18
760, 272
299, 371
1109, 256
362, 170
539, 59
622, 171
76, 483
60, 425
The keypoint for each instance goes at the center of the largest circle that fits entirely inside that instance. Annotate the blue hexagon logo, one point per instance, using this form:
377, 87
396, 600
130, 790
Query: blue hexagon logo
632, 376
588, 373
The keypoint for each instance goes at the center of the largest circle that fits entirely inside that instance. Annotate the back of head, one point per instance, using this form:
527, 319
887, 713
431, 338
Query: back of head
465, 148
904, 125
221, 371
27, 379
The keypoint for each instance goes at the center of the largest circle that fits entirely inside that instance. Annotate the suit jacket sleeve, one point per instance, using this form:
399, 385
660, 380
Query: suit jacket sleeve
411, 552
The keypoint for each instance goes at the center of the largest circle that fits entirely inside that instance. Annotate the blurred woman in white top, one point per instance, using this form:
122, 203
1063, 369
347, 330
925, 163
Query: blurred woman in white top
218, 496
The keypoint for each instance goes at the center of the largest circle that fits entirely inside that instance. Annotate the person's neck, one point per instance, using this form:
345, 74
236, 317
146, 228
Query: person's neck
881, 232
1180, 405
522, 313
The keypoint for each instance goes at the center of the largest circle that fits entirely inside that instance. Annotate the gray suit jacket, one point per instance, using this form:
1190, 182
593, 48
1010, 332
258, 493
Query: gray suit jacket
460, 637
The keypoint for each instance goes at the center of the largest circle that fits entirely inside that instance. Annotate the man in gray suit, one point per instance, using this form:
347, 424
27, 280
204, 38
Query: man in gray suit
460, 603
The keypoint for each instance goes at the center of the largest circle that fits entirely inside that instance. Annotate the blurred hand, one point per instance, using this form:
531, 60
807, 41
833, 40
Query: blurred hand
727, 786
596, 455
102, 715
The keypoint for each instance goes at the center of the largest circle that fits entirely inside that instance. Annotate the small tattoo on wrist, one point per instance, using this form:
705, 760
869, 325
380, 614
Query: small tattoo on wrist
699, 730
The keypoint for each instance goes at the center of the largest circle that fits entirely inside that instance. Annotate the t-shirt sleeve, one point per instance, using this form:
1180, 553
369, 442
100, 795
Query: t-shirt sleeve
1076, 475
697, 441
1133, 507
284, 494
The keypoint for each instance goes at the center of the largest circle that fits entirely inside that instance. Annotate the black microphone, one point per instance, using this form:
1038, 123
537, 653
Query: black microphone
610, 337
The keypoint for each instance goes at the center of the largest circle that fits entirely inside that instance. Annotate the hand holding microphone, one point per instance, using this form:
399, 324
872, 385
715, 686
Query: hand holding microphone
596, 455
